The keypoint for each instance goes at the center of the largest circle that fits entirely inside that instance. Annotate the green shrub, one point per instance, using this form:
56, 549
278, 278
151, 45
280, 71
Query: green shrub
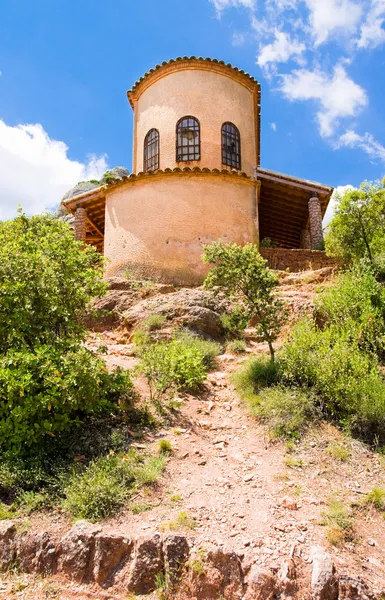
46, 282
106, 484
286, 411
376, 498
237, 346
48, 391
165, 447
235, 321
355, 305
176, 365
252, 376
208, 349
350, 386
49, 381
154, 322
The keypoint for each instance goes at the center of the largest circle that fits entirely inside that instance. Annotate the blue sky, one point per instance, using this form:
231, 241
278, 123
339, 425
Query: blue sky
66, 65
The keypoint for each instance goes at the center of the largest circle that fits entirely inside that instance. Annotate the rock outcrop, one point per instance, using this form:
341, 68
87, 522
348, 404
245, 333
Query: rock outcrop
87, 554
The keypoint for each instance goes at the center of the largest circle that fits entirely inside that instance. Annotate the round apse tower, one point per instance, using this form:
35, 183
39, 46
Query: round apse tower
196, 145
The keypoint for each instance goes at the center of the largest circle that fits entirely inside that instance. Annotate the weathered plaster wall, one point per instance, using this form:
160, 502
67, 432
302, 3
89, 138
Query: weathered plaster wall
156, 226
210, 97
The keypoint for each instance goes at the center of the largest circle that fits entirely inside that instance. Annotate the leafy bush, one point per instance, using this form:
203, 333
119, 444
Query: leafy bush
106, 484
154, 322
253, 375
48, 391
48, 380
235, 321
237, 346
207, 348
355, 305
242, 274
287, 411
171, 366
350, 386
46, 281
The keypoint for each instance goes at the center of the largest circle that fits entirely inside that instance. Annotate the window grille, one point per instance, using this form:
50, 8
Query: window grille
231, 146
151, 151
188, 139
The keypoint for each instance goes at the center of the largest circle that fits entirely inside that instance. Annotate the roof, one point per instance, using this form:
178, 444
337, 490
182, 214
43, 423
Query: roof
210, 64
283, 205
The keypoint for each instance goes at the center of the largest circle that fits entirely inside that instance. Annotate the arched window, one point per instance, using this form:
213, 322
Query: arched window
231, 146
188, 139
151, 151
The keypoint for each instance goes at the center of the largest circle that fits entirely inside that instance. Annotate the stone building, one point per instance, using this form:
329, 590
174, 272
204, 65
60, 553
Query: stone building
196, 177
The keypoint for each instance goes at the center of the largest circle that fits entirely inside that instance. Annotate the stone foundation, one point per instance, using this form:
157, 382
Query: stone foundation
283, 259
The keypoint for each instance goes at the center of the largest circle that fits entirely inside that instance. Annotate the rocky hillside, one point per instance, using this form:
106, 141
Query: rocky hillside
235, 514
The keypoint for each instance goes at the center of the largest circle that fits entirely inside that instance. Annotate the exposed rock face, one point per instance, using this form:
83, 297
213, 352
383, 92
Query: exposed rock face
353, 588
220, 576
119, 172
110, 555
147, 563
37, 553
195, 309
262, 585
287, 578
176, 551
323, 580
76, 550
87, 554
7, 544
79, 188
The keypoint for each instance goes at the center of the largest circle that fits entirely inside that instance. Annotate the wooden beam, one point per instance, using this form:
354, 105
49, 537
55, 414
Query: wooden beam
93, 224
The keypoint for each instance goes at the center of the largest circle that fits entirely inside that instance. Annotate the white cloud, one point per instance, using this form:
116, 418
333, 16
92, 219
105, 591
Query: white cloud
273, 126
35, 170
221, 5
238, 38
366, 142
338, 95
338, 192
372, 33
330, 16
281, 50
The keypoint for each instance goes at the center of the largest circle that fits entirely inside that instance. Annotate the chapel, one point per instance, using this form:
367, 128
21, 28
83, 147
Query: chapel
196, 177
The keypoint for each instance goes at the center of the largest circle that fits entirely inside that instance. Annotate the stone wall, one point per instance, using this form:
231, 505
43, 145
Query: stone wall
283, 259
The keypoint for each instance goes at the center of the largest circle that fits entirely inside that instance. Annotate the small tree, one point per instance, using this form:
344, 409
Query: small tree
358, 227
242, 274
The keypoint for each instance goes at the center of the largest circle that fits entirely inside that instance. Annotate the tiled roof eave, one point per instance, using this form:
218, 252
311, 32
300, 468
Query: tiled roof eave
100, 192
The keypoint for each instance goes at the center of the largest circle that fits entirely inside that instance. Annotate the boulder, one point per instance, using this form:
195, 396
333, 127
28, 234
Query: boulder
176, 551
119, 172
261, 585
36, 553
287, 578
79, 188
323, 581
147, 563
353, 588
7, 544
219, 576
110, 555
76, 550
194, 309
